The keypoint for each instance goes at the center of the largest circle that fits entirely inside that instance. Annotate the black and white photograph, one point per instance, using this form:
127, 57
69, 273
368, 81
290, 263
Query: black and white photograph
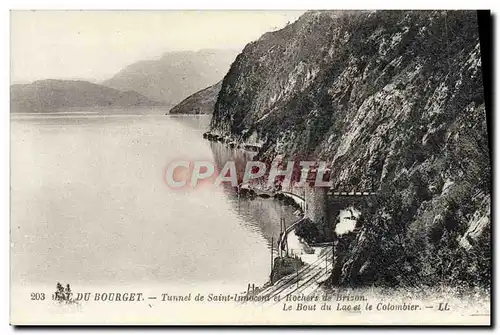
251, 167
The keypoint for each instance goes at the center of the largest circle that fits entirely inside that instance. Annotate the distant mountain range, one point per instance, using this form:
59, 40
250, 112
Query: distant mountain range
53, 95
174, 76
163, 82
202, 102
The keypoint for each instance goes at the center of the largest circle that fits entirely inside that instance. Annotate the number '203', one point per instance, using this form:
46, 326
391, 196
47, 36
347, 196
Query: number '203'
37, 296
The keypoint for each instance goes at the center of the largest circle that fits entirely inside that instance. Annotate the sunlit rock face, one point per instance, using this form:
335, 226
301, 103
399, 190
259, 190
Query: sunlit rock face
394, 101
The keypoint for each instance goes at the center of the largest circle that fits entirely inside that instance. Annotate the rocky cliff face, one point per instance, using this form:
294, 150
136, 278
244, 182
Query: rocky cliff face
393, 100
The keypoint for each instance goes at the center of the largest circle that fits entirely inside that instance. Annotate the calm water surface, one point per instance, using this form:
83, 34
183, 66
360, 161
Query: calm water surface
89, 205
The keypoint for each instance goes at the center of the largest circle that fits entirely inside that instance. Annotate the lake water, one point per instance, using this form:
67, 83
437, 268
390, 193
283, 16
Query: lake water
89, 205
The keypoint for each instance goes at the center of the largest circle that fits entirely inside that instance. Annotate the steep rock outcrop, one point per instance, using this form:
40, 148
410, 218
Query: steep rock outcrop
393, 100
202, 102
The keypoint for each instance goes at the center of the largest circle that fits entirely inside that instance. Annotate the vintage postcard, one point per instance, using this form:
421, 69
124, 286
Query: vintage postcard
322, 167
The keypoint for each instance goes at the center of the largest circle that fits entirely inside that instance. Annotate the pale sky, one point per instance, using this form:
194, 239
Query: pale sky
94, 45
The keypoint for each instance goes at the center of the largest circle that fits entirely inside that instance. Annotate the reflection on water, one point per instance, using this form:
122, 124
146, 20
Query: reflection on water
261, 215
199, 123
89, 205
